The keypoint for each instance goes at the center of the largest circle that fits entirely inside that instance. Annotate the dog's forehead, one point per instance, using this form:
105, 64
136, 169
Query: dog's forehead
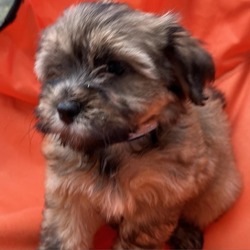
99, 25
117, 19
103, 25
98, 29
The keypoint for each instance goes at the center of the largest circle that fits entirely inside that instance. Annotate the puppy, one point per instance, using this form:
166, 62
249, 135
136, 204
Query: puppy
132, 135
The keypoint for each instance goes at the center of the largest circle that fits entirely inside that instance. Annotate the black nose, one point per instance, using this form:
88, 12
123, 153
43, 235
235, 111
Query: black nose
68, 110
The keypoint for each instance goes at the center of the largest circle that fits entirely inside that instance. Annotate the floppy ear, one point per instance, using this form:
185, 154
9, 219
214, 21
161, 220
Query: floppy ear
191, 65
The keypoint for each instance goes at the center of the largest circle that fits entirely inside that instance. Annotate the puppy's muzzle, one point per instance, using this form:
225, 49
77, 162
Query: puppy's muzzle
68, 110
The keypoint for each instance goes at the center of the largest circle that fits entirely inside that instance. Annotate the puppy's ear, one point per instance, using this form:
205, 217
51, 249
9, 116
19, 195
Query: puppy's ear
190, 64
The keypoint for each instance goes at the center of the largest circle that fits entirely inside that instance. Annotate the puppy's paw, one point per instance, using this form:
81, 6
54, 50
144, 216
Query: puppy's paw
186, 236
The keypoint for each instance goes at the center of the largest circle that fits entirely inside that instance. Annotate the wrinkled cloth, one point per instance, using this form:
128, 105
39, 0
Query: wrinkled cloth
222, 25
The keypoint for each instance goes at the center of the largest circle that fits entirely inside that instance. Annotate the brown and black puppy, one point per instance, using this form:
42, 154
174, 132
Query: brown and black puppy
132, 135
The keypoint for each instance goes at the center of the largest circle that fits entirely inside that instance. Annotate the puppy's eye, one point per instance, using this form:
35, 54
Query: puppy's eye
115, 67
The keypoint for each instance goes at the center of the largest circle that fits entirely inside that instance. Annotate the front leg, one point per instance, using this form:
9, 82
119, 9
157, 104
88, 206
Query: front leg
68, 227
70, 221
148, 233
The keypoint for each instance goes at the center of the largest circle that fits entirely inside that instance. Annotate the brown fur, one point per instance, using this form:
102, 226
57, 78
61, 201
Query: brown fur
125, 69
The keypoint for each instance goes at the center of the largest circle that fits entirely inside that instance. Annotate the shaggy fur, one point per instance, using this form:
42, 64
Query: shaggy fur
109, 73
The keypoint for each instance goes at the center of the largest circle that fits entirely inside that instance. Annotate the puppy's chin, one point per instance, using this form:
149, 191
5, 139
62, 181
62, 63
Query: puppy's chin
89, 144
95, 141
88, 141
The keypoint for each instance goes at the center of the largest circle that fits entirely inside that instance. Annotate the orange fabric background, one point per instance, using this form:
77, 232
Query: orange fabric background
222, 24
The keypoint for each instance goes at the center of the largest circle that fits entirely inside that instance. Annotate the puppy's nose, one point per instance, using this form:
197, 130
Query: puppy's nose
68, 110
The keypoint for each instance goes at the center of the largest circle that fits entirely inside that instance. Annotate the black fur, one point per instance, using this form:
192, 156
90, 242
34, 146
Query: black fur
49, 240
186, 236
191, 65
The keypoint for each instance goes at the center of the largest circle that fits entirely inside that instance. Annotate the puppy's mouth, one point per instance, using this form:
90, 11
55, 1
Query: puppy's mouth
92, 140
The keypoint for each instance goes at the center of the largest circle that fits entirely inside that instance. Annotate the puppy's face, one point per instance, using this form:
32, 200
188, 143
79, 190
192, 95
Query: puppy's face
108, 71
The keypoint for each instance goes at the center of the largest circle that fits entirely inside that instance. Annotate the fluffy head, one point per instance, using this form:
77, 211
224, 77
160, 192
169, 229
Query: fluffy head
108, 70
